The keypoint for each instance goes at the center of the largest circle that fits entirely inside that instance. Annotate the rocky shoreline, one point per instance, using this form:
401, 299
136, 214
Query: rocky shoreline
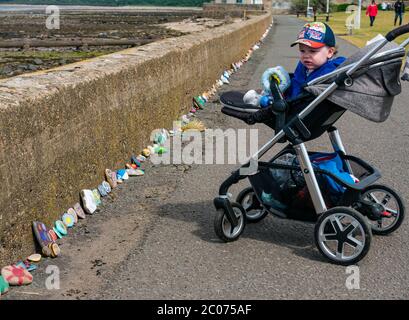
83, 34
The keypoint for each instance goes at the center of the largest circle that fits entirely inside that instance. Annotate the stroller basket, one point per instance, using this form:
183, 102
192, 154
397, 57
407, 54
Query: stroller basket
280, 186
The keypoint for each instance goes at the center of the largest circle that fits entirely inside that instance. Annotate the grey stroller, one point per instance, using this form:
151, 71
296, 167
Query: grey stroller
294, 184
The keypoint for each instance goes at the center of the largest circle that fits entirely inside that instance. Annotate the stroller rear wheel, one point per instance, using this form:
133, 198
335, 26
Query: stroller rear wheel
224, 229
392, 209
342, 235
254, 210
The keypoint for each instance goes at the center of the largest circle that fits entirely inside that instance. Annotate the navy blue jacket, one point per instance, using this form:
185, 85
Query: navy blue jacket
300, 77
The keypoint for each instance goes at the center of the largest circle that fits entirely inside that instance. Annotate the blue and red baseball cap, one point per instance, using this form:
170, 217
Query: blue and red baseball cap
316, 35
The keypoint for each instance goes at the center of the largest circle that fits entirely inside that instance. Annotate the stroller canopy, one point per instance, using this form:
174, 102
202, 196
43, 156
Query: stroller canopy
373, 89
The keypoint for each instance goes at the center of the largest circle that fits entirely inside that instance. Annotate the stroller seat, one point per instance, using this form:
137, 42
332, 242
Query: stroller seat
369, 93
318, 121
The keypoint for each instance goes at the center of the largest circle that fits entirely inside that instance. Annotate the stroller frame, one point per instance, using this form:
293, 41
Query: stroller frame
343, 75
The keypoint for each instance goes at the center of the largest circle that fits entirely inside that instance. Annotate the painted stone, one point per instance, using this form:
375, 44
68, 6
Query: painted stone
111, 178
161, 150
34, 257
107, 187
72, 212
31, 267
135, 172
97, 197
4, 286
20, 264
41, 233
79, 211
88, 201
16, 276
53, 235
46, 251
122, 174
59, 235
61, 228
102, 190
146, 152
68, 220
141, 158
28, 265
55, 250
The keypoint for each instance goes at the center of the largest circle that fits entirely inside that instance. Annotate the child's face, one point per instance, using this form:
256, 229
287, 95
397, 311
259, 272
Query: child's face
313, 58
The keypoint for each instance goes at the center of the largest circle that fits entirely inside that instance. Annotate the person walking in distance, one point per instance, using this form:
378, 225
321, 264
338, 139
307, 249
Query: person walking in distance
399, 11
372, 12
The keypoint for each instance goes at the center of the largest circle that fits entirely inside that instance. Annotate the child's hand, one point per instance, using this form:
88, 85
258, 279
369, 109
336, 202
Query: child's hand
280, 74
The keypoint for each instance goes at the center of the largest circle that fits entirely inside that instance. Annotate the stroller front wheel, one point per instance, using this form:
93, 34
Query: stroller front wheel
342, 235
224, 229
254, 210
392, 208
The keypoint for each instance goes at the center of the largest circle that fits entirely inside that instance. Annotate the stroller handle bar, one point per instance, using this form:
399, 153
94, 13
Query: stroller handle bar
400, 48
400, 51
392, 35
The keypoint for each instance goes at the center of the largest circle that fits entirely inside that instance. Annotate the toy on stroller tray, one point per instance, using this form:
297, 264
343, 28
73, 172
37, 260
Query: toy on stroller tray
335, 191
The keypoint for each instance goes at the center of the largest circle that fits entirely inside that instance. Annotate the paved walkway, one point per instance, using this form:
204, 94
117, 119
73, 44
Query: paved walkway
156, 239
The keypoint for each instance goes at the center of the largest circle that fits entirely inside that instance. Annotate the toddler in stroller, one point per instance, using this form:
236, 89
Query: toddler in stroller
317, 57
347, 206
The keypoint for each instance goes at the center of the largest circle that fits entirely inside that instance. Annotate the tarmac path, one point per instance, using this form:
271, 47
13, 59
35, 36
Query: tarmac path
155, 240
